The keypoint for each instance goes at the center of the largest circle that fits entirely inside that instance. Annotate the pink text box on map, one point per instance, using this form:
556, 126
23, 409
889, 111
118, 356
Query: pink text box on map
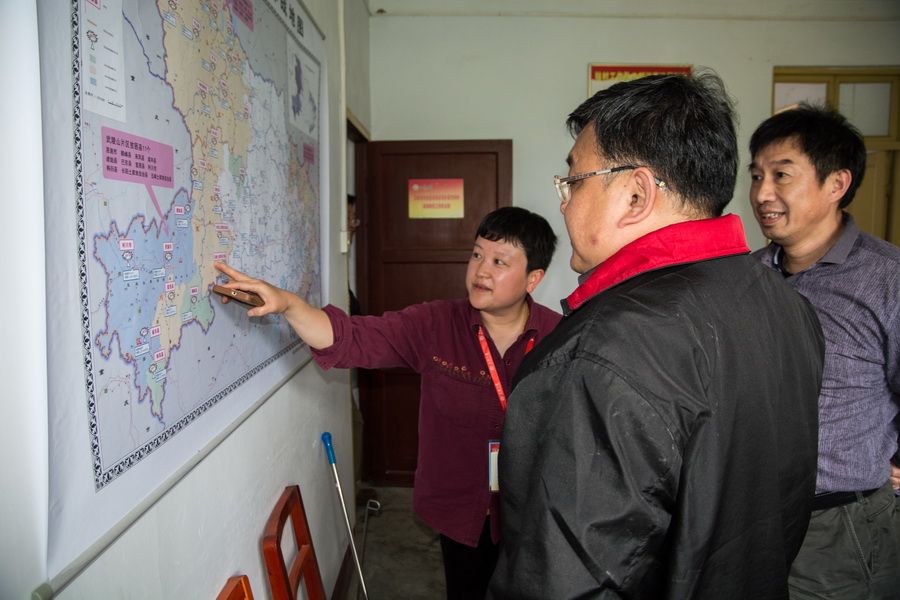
135, 159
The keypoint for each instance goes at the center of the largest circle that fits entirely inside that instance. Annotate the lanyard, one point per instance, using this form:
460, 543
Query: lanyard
492, 368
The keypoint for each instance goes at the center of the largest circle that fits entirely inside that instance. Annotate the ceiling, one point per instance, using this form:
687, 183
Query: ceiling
829, 10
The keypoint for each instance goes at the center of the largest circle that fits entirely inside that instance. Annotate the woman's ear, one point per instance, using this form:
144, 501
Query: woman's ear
533, 279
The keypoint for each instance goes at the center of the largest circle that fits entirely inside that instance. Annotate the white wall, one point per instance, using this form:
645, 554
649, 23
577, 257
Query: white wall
23, 425
518, 78
208, 526
356, 21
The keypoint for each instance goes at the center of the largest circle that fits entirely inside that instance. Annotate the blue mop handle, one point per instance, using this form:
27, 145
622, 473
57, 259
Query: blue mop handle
329, 449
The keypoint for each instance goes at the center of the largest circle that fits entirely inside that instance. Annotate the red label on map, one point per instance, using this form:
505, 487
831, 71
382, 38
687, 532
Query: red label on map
244, 10
309, 153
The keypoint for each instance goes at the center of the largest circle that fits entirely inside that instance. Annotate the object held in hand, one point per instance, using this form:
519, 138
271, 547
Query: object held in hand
239, 295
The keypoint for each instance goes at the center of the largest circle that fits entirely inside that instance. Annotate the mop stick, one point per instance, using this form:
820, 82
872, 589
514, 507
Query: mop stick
329, 450
371, 506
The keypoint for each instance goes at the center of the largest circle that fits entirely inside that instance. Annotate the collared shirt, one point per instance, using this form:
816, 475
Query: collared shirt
459, 411
855, 289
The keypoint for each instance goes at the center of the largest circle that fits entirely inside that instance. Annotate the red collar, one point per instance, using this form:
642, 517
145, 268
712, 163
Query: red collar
681, 243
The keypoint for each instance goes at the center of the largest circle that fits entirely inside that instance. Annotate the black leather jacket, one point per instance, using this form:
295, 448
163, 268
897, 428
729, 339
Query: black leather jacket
661, 442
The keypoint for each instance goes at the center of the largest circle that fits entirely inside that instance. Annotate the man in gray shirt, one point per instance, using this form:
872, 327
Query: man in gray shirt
807, 164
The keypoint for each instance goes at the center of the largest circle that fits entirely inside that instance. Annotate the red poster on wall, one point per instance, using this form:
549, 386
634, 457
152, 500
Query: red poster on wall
602, 76
436, 198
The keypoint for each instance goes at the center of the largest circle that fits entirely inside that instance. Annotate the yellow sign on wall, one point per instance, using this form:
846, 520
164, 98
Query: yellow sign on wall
435, 198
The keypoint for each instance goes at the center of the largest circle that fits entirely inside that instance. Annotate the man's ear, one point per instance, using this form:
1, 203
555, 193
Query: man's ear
643, 197
837, 184
533, 279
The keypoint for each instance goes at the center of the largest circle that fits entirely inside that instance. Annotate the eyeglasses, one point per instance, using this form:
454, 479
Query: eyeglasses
563, 184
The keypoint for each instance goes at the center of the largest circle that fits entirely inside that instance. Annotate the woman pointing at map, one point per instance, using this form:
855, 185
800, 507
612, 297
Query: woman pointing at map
466, 351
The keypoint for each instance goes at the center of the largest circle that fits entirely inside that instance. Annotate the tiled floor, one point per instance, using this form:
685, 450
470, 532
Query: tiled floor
401, 557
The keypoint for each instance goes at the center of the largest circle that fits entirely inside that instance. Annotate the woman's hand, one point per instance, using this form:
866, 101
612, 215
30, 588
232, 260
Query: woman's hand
275, 300
311, 323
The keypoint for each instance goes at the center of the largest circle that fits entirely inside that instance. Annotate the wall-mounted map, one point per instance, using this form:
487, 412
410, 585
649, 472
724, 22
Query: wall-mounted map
198, 138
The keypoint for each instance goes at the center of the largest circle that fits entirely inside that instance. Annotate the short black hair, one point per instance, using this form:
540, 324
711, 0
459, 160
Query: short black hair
681, 127
824, 135
522, 228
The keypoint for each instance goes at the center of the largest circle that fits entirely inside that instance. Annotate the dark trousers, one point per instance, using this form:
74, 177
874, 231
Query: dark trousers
851, 552
468, 570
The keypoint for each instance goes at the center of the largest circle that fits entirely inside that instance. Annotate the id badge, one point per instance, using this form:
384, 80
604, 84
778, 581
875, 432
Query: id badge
493, 453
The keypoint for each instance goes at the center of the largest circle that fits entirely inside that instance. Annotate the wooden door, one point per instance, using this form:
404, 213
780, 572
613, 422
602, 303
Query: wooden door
403, 260
873, 206
894, 204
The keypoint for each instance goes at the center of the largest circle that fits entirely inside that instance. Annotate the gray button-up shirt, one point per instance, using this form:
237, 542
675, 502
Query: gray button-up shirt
855, 289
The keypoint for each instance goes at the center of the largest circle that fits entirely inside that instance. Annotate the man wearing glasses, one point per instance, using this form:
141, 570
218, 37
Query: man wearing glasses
661, 441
